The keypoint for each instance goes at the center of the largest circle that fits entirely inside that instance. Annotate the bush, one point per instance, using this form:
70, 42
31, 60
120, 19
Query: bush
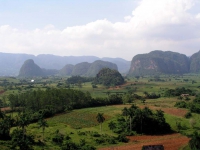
122, 138
58, 138
181, 104
188, 115
69, 145
95, 134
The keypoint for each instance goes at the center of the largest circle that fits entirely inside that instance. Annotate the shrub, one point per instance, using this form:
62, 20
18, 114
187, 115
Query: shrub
188, 115
58, 138
122, 138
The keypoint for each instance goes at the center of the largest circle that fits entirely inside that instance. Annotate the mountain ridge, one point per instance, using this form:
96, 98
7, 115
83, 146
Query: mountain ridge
31, 69
10, 63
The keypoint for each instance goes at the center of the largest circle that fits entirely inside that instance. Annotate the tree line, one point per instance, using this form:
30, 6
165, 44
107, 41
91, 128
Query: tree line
53, 100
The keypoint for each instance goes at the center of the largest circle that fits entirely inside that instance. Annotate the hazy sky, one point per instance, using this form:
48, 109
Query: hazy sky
104, 28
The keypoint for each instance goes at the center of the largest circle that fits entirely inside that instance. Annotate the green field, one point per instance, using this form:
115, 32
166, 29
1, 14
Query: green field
82, 123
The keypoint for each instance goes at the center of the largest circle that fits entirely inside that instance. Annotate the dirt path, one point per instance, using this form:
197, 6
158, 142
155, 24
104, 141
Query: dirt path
170, 142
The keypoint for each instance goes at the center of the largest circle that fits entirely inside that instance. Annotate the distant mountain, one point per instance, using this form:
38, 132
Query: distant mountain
10, 63
30, 69
195, 63
96, 66
66, 70
159, 62
80, 69
86, 69
123, 65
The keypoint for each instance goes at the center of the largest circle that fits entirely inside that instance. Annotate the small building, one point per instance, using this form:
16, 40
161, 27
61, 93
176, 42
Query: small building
185, 95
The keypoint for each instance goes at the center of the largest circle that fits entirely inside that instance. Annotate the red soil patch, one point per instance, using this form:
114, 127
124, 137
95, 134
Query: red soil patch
172, 111
1, 92
5, 108
170, 142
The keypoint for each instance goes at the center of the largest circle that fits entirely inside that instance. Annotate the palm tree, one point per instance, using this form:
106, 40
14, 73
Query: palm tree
111, 125
100, 118
140, 115
42, 124
125, 112
23, 122
131, 114
2, 115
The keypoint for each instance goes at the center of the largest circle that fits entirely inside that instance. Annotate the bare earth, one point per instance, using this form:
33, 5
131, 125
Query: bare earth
170, 142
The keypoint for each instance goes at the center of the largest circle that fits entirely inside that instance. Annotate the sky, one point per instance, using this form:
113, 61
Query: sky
103, 28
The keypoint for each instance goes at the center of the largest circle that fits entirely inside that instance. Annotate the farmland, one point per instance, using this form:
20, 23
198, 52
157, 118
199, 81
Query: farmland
82, 123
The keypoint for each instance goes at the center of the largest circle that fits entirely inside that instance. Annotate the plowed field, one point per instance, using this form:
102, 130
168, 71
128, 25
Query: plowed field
170, 142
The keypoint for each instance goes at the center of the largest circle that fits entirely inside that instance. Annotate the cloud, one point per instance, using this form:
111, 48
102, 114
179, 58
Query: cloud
155, 24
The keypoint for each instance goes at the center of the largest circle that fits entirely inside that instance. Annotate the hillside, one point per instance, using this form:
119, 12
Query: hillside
159, 62
194, 63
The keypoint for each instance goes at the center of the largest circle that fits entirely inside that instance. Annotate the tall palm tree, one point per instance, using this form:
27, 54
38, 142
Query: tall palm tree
23, 121
131, 114
42, 124
100, 118
125, 112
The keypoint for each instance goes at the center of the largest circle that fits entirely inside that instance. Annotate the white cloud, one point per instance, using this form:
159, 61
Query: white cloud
154, 24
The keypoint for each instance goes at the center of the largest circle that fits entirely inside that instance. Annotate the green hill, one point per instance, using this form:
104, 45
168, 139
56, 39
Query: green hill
108, 77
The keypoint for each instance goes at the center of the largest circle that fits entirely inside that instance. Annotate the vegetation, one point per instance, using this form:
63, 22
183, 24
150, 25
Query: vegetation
44, 115
108, 77
141, 121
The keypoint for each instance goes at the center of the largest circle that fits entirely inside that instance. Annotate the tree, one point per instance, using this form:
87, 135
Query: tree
6, 123
111, 125
100, 118
131, 114
194, 143
125, 112
42, 124
23, 121
21, 141
146, 94
127, 98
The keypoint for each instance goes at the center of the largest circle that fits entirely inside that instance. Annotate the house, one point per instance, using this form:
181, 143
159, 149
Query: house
185, 95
